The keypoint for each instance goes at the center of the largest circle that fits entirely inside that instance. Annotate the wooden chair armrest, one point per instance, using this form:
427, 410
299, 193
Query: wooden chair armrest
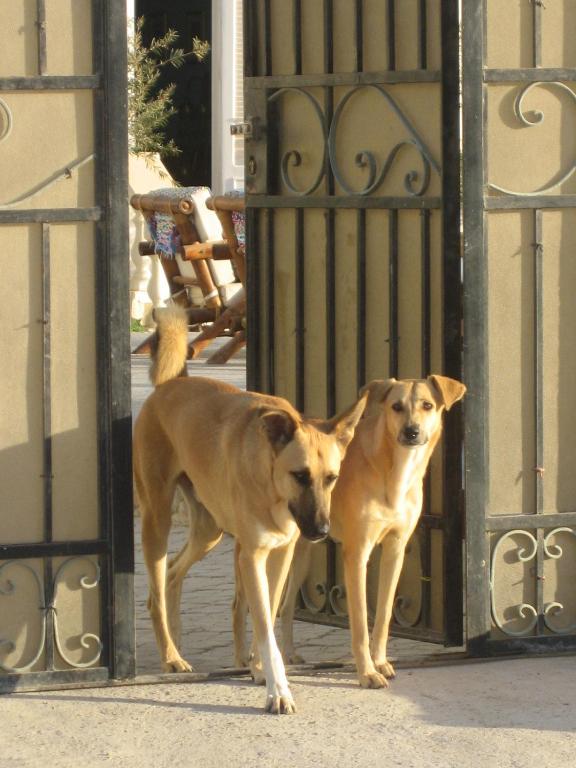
214, 250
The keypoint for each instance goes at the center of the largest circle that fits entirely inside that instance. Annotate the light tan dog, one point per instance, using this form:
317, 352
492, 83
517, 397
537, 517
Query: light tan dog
247, 464
377, 500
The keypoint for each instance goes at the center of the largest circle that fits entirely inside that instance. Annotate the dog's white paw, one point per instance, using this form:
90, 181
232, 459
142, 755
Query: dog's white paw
280, 704
372, 679
177, 665
385, 668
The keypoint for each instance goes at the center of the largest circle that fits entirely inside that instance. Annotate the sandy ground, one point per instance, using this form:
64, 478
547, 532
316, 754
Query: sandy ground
506, 714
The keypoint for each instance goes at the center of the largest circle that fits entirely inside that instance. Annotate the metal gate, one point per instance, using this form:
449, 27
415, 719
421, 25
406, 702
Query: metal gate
519, 108
66, 552
353, 226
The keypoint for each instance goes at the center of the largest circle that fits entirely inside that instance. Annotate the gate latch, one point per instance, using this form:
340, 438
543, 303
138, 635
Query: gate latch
250, 128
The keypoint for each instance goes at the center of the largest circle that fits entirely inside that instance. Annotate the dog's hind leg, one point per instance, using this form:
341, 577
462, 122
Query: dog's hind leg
155, 504
297, 576
239, 616
203, 536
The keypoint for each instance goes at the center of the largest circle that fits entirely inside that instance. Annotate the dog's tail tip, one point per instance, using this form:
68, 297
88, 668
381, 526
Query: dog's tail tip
170, 344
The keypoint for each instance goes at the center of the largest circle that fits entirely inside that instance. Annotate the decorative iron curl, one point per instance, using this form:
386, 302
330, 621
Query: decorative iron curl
537, 119
338, 592
292, 157
87, 638
6, 122
308, 604
555, 552
365, 158
525, 610
9, 590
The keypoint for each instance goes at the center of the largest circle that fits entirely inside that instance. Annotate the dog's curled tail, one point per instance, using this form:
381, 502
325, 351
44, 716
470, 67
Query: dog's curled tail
169, 345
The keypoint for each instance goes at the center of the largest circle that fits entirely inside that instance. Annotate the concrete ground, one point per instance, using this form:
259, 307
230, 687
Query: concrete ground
505, 714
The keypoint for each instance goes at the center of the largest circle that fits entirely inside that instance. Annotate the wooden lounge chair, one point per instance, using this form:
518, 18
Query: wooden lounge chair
197, 261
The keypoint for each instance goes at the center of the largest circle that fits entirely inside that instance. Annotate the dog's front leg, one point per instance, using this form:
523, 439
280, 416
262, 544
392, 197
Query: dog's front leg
355, 564
252, 564
391, 561
297, 576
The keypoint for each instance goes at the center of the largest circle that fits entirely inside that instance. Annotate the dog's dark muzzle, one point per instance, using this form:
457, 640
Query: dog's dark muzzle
412, 436
310, 526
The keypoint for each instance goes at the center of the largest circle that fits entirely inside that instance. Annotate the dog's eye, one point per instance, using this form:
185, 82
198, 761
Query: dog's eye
427, 405
302, 477
331, 479
398, 407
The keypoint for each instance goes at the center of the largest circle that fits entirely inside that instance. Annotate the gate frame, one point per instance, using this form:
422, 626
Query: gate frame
115, 543
479, 525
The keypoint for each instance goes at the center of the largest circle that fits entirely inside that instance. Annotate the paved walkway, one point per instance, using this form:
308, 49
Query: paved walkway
207, 640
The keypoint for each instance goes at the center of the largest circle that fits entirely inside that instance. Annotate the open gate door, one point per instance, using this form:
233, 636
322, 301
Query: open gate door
353, 216
66, 553
519, 99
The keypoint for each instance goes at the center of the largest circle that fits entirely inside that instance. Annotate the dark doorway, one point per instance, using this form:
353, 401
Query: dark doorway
190, 127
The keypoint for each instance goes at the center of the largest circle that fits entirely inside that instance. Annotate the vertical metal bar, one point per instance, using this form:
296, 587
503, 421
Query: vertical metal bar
426, 536
475, 360
267, 39
328, 12
452, 319
391, 12
537, 32
253, 310
252, 44
393, 293
300, 370
47, 452
41, 24
361, 298
270, 275
359, 41
423, 35
297, 35
538, 358
538, 410
426, 291
330, 314
112, 329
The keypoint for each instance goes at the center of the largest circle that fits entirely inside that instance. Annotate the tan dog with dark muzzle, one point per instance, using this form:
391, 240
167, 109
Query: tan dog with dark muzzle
247, 464
377, 500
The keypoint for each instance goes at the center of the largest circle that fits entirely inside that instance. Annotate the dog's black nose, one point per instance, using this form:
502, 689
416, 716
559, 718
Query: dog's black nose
411, 432
323, 529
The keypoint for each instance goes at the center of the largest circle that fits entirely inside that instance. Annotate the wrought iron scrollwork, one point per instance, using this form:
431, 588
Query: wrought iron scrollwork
366, 159
10, 589
554, 608
308, 603
416, 182
293, 157
5, 120
530, 122
86, 640
526, 610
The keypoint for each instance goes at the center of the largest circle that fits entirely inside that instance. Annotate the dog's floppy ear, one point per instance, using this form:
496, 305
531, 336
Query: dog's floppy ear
450, 390
343, 425
279, 427
377, 390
